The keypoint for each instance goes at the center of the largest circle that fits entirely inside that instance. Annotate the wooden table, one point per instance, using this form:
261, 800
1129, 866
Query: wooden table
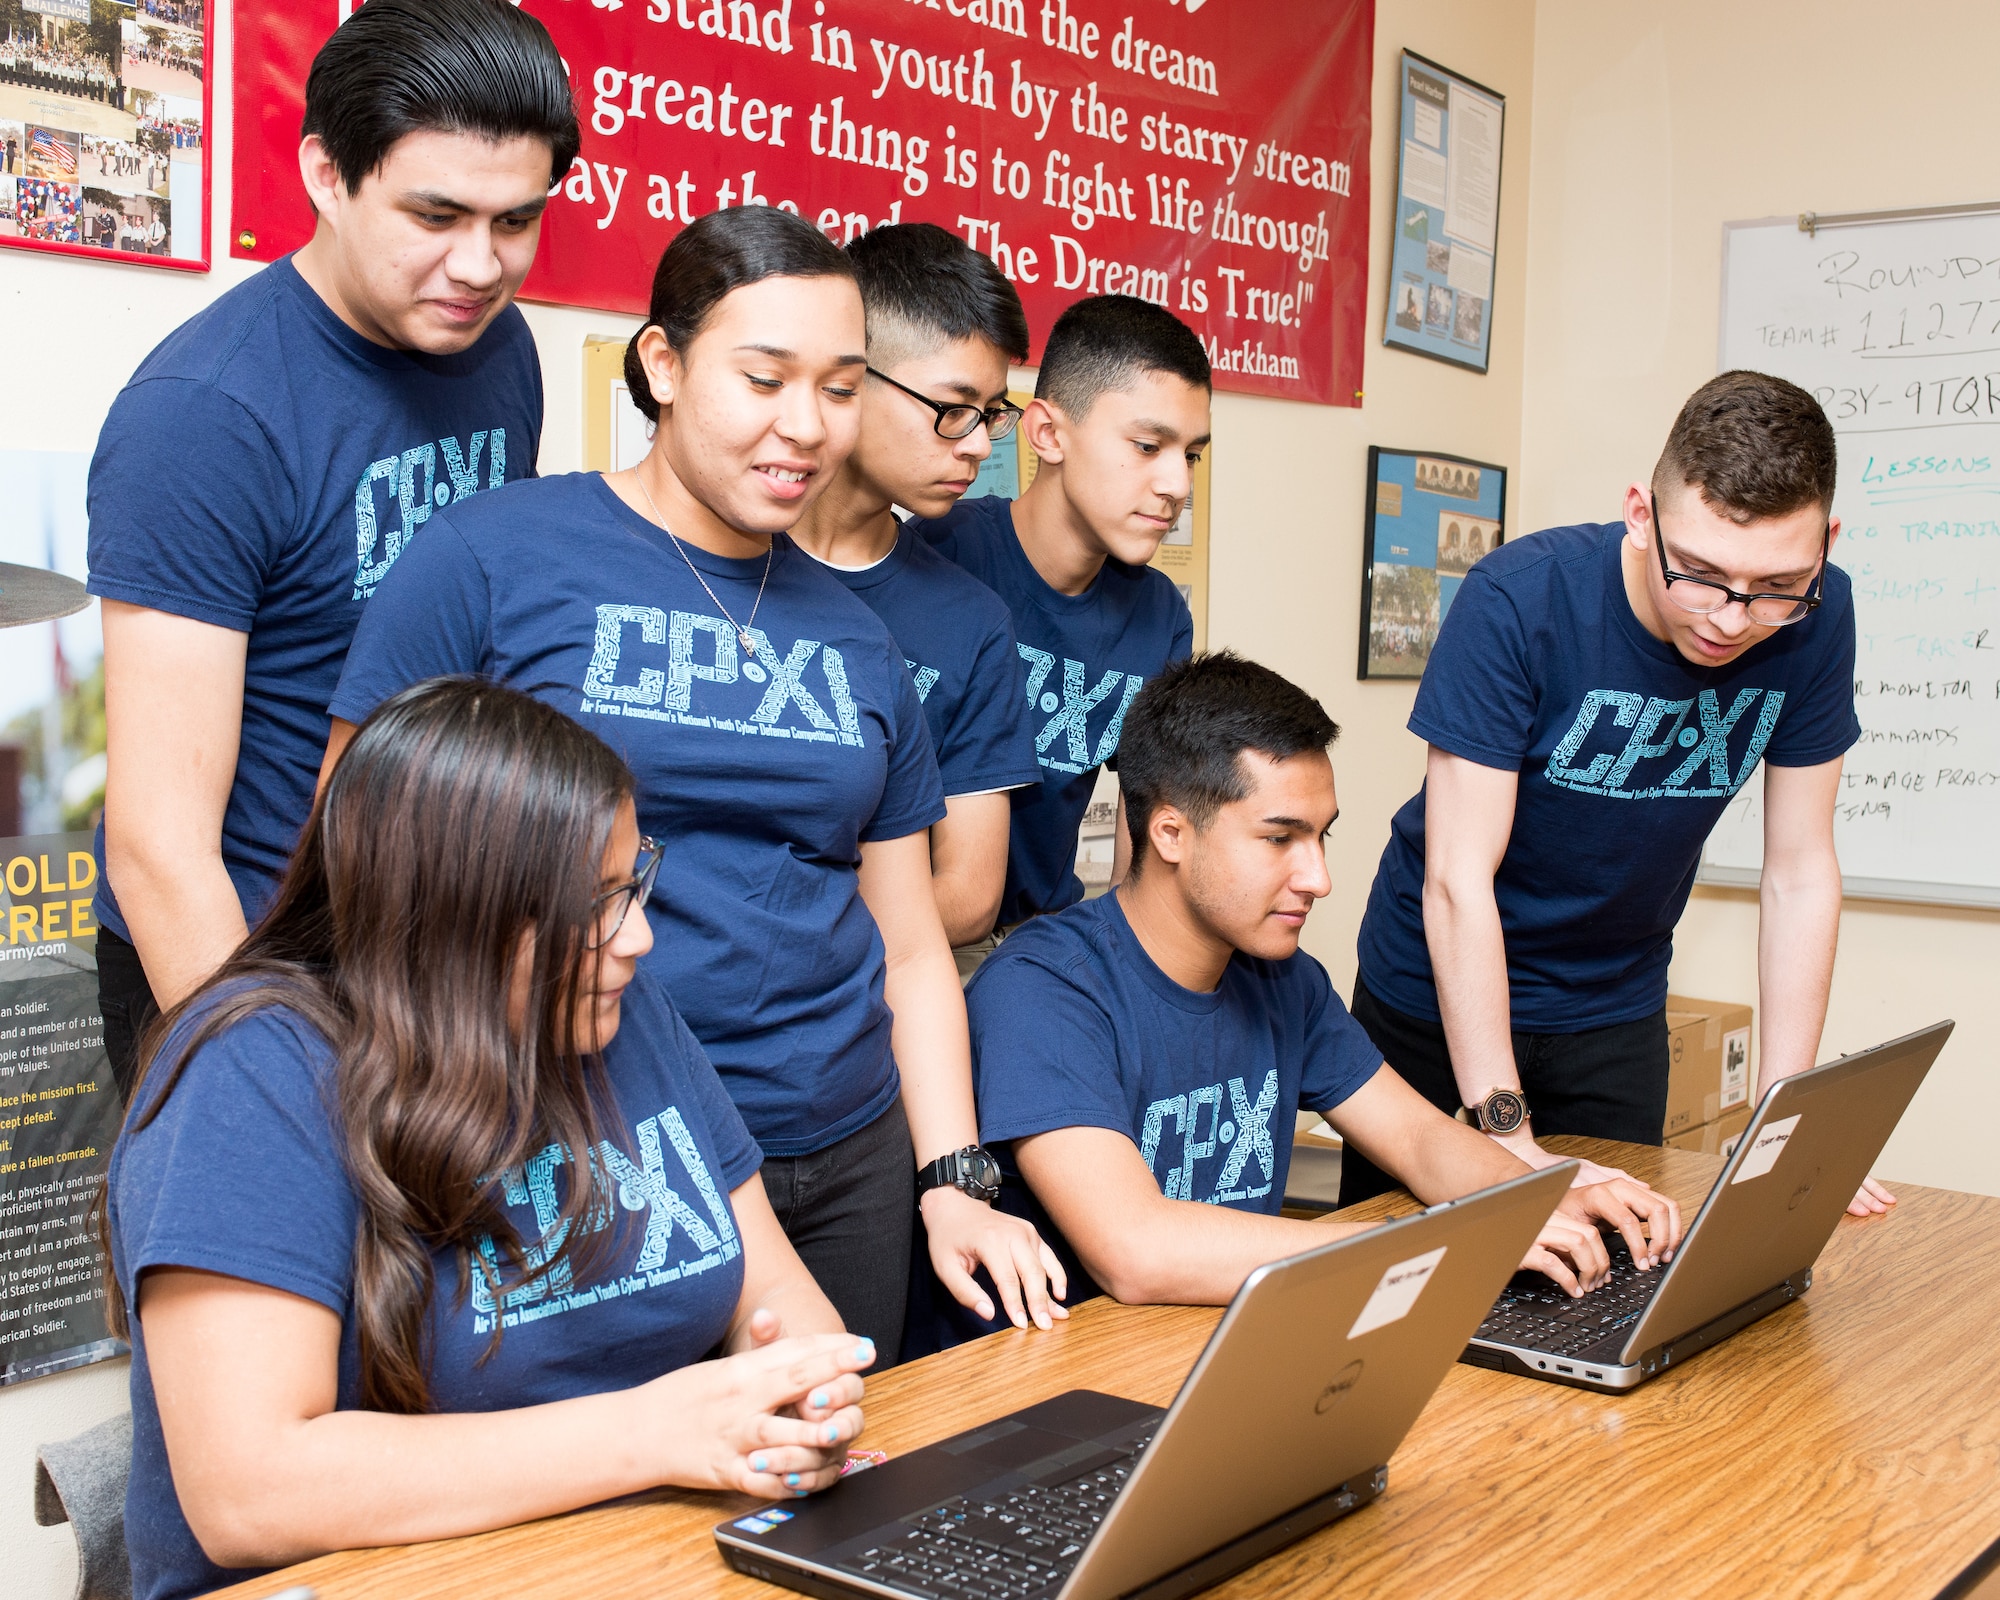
1848, 1444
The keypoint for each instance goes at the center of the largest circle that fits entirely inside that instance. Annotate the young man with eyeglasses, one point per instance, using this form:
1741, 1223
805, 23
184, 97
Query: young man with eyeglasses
1596, 697
943, 323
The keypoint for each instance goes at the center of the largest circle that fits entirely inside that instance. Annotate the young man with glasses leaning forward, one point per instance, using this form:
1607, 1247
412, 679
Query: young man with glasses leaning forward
1596, 697
943, 322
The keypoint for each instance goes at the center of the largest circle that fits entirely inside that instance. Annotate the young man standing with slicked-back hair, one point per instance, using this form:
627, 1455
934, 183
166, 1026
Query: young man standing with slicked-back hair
1596, 697
1119, 418
943, 322
267, 463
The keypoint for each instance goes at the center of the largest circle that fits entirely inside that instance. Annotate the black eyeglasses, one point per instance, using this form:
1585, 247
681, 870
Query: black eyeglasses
1704, 596
615, 905
957, 422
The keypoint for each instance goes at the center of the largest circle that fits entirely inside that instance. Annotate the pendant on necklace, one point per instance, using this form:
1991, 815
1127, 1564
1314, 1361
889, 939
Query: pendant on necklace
749, 644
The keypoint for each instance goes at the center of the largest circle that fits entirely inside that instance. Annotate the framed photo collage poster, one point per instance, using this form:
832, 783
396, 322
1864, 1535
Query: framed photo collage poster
104, 112
1430, 518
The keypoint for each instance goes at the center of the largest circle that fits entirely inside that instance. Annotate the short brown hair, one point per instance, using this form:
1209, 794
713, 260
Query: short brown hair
1754, 445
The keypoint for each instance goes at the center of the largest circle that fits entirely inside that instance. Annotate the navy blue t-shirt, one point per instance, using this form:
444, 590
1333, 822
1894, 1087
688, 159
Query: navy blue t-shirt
1075, 1026
261, 472
958, 643
761, 775
1084, 658
1627, 754
242, 1174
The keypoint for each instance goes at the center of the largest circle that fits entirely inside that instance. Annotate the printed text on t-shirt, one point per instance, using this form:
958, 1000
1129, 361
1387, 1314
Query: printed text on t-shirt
416, 489
1244, 1130
1661, 733
1069, 712
786, 707
634, 1186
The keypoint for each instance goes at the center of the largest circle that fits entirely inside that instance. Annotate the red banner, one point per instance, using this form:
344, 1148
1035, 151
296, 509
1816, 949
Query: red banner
1209, 155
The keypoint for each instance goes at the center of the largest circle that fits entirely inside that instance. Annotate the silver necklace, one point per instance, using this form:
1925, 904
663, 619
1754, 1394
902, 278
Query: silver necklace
742, 628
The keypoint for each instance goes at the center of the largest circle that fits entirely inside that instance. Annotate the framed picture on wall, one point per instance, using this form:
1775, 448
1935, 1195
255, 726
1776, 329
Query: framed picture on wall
1431, 518
1447, 222
104, 118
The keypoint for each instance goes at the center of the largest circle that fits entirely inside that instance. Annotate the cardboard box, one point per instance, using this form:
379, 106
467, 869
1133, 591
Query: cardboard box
1708, 1062
1717, 1138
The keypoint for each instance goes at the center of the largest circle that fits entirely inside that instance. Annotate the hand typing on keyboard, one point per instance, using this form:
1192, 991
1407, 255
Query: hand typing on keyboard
1534, 1315
1571, 1251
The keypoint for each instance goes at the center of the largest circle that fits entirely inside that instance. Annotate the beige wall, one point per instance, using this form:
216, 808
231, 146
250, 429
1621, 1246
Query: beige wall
1290, 480
1653, 126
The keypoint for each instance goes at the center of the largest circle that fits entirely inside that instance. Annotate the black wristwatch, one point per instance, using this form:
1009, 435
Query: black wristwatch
972, 1169
1503, 1111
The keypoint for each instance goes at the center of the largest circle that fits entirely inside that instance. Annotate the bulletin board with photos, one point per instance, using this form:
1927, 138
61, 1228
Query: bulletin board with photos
616, 436
1447, 220
1431, 518
104, 117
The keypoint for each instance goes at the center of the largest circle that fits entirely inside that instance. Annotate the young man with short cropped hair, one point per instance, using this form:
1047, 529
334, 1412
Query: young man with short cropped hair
1595, 699
266, 464
943, 323
1119, 418
1139, 1058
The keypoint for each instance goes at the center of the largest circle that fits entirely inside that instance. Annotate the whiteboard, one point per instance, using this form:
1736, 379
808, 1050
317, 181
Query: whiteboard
1895, 327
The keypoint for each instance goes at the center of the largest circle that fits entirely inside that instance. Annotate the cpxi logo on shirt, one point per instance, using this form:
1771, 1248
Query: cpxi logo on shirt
1069, 713
1661, 732
667, 695
411, 485
679, 1243
1245, 1131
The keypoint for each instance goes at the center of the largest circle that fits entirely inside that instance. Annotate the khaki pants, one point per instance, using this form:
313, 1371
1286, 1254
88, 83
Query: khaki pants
971, 957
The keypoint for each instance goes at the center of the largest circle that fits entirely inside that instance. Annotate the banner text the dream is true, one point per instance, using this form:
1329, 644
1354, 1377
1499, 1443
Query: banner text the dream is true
1208, 156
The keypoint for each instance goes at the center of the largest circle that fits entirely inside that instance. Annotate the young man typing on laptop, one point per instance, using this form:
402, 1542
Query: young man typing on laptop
1143, 1054
1597, 697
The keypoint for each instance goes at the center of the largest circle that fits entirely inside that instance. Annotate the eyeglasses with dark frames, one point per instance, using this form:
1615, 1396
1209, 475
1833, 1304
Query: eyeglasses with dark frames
959, 421
615, 905
1704, 596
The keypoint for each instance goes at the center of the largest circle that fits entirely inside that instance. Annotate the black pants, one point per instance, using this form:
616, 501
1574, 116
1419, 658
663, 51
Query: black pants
1607, 1083
125, 1000
849, 1210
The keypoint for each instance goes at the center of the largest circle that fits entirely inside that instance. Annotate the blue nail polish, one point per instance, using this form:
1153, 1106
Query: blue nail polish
832, 1433
817, 1400
792, 1479
798, 1494
864, 1352
757, 1464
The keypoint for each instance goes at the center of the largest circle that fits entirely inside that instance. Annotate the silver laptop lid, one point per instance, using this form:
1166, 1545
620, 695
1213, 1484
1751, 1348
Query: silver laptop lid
1316, 1371
1813, 1139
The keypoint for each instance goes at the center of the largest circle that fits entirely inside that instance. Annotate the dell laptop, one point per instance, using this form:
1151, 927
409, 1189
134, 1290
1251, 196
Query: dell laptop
1750, 1249
1318, 1368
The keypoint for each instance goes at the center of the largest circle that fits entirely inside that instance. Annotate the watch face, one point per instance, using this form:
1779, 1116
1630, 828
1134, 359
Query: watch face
1503, 1112
978, 1167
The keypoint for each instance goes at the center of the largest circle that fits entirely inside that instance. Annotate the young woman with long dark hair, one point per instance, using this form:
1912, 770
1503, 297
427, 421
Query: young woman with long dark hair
781, 751
429, 1184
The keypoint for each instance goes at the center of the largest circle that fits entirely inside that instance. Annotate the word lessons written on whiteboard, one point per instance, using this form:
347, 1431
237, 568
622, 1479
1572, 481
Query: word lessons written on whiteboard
1895, 327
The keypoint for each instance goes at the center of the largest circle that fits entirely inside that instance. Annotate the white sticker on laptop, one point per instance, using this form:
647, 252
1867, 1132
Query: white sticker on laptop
1396, 1293
1763, 1154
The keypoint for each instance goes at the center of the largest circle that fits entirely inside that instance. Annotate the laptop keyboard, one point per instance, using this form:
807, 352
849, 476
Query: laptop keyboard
1008, 1547
1534, 1314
